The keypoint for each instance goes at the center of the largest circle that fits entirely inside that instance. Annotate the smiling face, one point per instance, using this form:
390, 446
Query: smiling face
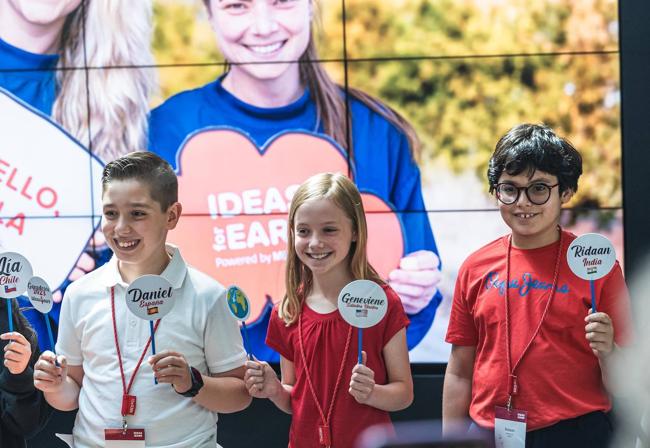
323, 235
533, 225
261, 31
136, 227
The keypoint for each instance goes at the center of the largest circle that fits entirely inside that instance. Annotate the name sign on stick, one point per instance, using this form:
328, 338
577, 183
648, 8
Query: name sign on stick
150, 297
240, 307
362, 304
590, 257
40, 296
15, 272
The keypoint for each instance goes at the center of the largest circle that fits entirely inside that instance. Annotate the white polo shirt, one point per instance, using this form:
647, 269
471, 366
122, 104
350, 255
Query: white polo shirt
199, 326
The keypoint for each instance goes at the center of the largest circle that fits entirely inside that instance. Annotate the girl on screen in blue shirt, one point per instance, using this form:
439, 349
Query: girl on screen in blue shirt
265, 91
37, 40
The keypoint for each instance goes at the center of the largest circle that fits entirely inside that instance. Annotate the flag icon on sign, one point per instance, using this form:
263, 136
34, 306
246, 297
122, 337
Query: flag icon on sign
152, 310
361, 313
592, 270
8, 289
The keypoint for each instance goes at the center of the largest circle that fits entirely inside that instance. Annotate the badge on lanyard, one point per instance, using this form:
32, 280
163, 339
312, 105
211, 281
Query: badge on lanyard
124, 438
509, 427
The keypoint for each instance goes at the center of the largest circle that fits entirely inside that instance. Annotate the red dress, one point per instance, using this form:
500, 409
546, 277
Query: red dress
324, 337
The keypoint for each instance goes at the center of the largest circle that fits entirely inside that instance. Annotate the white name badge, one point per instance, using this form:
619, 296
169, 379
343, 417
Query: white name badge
150, 297
591, 256
40, 295
510, 428
120, 438
362, 303
15, 272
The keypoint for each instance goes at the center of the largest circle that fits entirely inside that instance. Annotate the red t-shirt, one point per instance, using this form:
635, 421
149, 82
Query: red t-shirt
324, 338
559, 377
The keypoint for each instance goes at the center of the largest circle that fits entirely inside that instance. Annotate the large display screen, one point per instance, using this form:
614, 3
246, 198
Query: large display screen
251, 97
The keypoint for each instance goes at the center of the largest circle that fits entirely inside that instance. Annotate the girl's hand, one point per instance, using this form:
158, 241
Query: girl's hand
17, 352
416, 280
600, 333
363, 381
260, 379
48, 377
172, 368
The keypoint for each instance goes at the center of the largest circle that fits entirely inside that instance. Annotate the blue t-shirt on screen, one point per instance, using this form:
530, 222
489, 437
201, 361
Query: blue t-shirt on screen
382, 164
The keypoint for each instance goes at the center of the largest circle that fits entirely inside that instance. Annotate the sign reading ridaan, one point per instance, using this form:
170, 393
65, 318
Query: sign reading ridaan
362, 304
590, 257
150, 297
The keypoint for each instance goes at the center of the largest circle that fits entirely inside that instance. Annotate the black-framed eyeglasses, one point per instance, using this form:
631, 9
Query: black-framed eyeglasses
537, 193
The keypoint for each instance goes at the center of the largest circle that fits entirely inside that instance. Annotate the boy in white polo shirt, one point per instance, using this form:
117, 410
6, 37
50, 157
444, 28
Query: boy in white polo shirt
201, 354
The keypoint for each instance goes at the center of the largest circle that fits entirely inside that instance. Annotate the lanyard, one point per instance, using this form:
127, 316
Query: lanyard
513, 386
324, 432
126, 389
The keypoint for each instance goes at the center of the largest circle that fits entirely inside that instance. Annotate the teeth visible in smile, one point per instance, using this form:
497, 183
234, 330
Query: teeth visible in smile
265, 49
126, 244
318, 256
526, 215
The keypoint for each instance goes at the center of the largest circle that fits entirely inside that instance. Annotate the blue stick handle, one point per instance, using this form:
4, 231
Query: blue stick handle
246, 346
49, 334
360, 358
593, 295
153, 345
10, 315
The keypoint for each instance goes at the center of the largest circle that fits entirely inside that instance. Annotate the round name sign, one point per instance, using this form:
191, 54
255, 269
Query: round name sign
15, 272
150, 297
40, 295
591, 256
238, 303
362, 303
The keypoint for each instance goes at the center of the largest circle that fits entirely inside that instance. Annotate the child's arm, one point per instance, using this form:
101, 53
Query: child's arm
221, 392
397, 394
262, 382
457, 388
23, 409
60, 384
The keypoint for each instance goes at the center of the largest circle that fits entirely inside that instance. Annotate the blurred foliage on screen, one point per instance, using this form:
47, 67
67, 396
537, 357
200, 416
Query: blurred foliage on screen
461, 71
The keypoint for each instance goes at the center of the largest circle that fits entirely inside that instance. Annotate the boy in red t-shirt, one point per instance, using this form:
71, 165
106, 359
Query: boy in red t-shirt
521, 326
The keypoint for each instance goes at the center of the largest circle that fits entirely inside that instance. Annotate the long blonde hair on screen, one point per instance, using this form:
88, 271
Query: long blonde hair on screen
298, 278
117, 33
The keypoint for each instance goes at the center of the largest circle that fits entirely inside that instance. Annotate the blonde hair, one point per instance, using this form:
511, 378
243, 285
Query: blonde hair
298, 278
331, 107
117, 36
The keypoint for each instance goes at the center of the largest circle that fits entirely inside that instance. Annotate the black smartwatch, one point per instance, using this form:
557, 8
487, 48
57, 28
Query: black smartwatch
197, 384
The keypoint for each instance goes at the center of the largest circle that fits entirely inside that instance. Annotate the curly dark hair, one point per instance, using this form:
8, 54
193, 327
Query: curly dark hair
531, 147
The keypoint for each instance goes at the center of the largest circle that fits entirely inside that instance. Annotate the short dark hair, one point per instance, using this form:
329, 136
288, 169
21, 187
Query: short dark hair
148, 168
531, 147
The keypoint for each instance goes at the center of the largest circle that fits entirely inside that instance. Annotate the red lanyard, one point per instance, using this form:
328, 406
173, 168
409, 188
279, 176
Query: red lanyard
513, 386
324, 432
128, 402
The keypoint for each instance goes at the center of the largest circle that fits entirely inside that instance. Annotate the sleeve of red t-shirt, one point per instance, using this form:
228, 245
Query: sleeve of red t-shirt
615, 301
395, 316
461, 329
277, 336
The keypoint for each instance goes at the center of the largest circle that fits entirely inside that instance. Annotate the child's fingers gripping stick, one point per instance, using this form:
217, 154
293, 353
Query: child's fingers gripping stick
48, 376
362, 382
17, 352
260, 379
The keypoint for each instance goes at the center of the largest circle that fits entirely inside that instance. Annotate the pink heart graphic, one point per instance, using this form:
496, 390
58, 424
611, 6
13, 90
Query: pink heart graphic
235, 200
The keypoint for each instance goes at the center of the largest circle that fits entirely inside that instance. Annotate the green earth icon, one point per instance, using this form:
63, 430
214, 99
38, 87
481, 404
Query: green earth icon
237, 302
